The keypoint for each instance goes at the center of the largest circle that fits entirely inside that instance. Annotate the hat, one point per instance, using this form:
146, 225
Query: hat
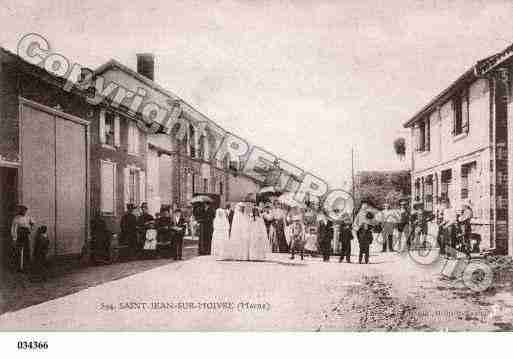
130, 206
418, 205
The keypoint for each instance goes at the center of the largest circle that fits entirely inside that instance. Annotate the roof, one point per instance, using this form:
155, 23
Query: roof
479, 69
152, 84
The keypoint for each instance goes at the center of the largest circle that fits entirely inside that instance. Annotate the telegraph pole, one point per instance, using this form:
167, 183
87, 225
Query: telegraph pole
352, 179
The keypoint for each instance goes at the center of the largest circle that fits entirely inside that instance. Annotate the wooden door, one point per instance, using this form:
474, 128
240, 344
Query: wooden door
54, 176
70, 185
38, 168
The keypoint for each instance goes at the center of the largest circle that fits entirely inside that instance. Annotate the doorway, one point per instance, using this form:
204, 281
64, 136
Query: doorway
54, 175
8, 200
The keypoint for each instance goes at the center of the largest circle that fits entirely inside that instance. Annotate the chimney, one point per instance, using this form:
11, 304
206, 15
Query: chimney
146, 65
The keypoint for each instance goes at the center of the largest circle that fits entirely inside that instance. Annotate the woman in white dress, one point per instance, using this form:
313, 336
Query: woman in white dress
237, 247
221, 233
258, 245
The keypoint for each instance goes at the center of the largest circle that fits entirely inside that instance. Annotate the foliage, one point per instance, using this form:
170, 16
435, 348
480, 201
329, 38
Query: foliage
400, 147
382, 187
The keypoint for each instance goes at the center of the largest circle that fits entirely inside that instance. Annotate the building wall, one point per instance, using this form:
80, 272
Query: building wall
122, 159
18, 79
240, 187
9, 140
445, 146
452, 152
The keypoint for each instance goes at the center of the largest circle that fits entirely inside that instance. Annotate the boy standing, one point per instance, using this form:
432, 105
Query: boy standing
364, 240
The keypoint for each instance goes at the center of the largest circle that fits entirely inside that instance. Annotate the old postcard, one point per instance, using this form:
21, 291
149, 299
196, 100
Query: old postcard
256, 166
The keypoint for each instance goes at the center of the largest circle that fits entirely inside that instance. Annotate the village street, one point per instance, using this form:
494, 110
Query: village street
391, 293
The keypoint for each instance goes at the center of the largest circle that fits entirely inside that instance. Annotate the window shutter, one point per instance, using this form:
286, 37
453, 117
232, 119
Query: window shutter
137, 144
116, 131
427, 140
126, 186
102, 126
142, 186
416, 137
454, 110
465, 113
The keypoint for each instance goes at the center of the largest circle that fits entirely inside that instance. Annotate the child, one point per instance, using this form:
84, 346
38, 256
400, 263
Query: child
364, 240
297, 239
39, 269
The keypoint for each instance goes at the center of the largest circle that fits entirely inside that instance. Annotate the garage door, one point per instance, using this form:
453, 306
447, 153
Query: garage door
54, 174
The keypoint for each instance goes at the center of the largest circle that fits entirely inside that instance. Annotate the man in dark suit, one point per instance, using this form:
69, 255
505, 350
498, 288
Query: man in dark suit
230, 216
129, 230
178, 230
208, 226
324, 231
345, 237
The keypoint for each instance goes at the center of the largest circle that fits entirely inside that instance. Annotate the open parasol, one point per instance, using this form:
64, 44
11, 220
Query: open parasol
288, 199
201, 199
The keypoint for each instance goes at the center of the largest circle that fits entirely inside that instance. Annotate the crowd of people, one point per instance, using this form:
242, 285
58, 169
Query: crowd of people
246, 231
145, 234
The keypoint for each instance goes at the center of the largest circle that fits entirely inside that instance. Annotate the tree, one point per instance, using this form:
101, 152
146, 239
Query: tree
400, 147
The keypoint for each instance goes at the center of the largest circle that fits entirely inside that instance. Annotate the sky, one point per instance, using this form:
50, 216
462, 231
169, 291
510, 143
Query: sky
307, 80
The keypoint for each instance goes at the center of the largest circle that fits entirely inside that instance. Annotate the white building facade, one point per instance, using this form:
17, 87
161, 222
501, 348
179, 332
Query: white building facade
461, 150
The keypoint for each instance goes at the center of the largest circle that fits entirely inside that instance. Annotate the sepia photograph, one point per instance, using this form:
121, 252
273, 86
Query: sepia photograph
255, 166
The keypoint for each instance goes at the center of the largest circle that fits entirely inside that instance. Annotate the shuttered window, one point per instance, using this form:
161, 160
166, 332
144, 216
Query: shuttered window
133, 138
108, 187
422, 135
460, 108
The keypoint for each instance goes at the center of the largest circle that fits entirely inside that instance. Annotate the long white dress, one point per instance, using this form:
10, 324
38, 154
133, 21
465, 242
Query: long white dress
221, 234
259, 245
237, 247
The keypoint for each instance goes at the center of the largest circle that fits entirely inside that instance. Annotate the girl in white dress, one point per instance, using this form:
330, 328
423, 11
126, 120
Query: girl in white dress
221, 233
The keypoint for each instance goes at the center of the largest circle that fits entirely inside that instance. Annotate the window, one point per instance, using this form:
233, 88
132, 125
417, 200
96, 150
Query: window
133, 187
108, 188
417, 189
193, 179
445, 182
428, 193
423, 135
201, 149
233, 165
460, 114
192, 142
205, 185
468, 177
221, 188
109, 129
133, 138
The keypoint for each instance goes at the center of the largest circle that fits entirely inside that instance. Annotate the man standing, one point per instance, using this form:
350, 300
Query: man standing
325, 233
465, 220
178, 227
129, 230
403, 225
164, 233
210, 214
388, 222
346, 236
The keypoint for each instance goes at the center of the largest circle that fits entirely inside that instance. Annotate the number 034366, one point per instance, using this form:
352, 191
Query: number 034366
32, 345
